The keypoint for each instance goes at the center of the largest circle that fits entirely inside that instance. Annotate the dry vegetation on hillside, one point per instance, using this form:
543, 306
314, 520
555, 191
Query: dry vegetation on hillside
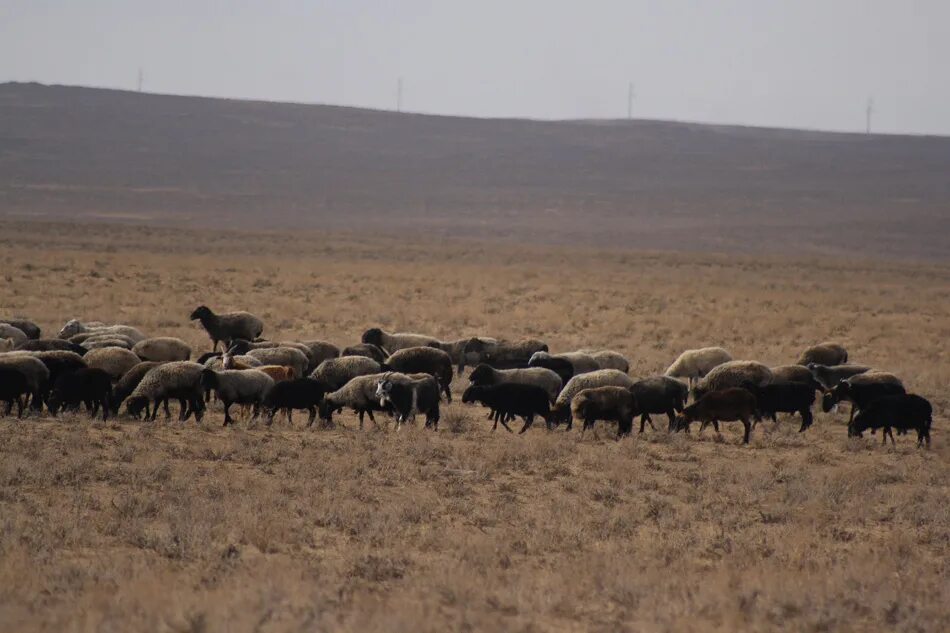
128, 526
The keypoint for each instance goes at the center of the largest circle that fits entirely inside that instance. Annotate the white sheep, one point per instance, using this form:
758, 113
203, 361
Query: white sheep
694, 364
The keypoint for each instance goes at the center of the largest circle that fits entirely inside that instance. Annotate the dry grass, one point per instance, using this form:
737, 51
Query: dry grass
129, 526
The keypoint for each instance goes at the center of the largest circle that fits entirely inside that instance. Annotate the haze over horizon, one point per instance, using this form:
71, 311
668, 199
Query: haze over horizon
798, 65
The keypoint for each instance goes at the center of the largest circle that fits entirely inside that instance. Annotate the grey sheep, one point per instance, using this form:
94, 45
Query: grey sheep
321, 351
733, 374
824, 354
50, 345
74, 327
600, 378
392, 343
179, 380
581, 362
694, 364
424, 360
217, 362
162, 348
503, 354
829, 377
35, 372
795, 373
57, 362
228, 326
31, 329
287, 356
124, 387
336, 372
305, 350
548, 380
234, 386
609, 359
365, 349
115, 361
100, 342
15, 334
457, 350
358, 394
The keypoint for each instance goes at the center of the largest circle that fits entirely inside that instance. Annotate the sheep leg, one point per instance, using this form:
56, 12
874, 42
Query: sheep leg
290, 417
361, 419
227, 414
371, 418
748, 430
313, 415
168, 413
504, 423
10, 406
528, 421
807, 419
154, 410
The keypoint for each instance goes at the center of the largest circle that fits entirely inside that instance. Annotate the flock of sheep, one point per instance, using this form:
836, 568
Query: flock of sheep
105, 366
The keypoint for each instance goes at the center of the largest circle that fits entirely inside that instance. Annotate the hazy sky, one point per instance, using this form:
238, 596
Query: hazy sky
795, 63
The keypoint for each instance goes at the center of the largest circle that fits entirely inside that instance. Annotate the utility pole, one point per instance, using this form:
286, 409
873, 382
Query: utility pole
399, 95
141, 78
868, 112
630, 95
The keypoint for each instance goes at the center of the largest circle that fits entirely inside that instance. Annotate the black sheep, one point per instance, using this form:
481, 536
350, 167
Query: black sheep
90, 386
511, 399
859, 394
424, 360
51, 345
901, 411
365, 349
659, 394
32, 330
727, 405
301, 393
422, 396
784, 397
560, 366
13, 384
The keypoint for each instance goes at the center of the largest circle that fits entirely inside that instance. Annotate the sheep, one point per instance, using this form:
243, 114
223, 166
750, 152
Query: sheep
13, 385
114, 360
726, 405
365, 349
659, 394
35, 372
130, 380
301, 393
694, 364
510, 399
784, 397
548, 380
162, 348
101, 342
582, 363
58, 362
392, 343
600, 378
287, 356
31, 329
862, 390
426, 360
410, 396
15, 334
503, 354
617, 404
179, 380
90, 386
795, 373
6, 345
732, 374
457, 350
560, 366
228, 326
358, 394
609, 359
824, 354
248, 386
321, 351
279, 373
227, 360
50, 345
74, 327
829, 377
901, 411
305, 350
336, 372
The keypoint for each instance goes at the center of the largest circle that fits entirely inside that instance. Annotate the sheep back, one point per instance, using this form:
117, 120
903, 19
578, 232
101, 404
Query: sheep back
162, 348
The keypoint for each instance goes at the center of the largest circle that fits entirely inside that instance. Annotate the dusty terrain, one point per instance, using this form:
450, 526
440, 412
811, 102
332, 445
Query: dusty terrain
106, 155
131, 526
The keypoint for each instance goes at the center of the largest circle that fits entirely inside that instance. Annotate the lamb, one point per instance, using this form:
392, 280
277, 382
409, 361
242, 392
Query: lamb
114, 360
503, 354
129, 381
15, 334
659, 394
51, 345
278, 373
35, 372
508, 400
617, 404
179, 380
336, 372
824, 354
600, 378
410, 396
732, 374
228, 326
784, 397
795, 373
358, 394
321, 351
13, 385
74, 327
694, 364
367, 350
90, 386
392, 343
900, 411
609, 359
31, 329
424, 360
862, 390
721, 406
248, 386
582, 363
162, 348
301, 393
456, 350
829, 377
548, 380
